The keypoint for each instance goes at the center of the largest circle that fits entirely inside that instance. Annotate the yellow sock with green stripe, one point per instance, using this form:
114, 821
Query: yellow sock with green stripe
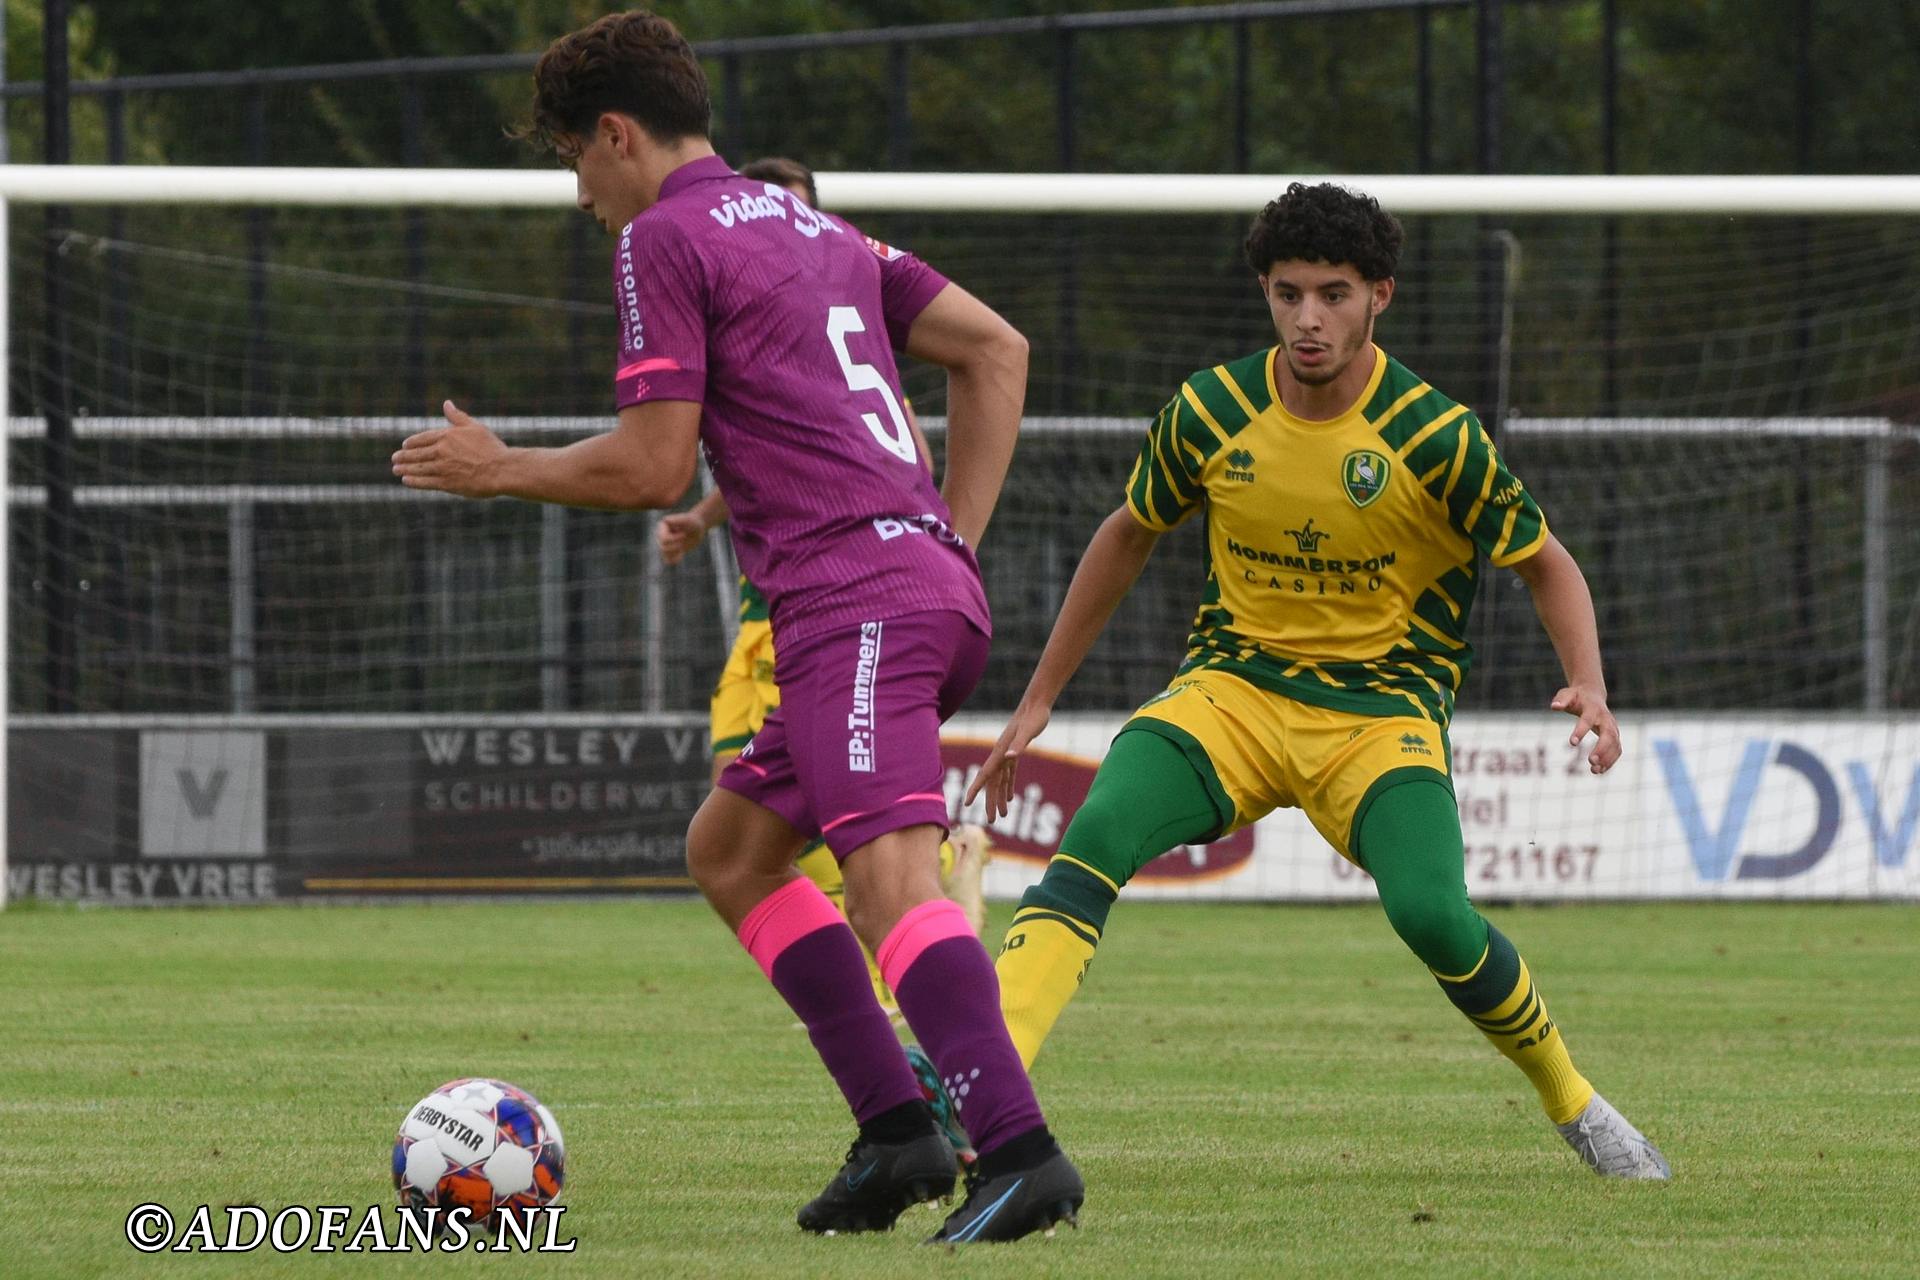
1498, 997
1048, 948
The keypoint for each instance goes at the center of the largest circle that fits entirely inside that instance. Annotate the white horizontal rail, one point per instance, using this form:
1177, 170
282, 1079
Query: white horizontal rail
1401, 193
226, 495
1116, 193
174, 427
1809, 428
397, 429
220, 495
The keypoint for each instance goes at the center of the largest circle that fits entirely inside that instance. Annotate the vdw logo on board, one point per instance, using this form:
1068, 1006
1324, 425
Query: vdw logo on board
1715, 843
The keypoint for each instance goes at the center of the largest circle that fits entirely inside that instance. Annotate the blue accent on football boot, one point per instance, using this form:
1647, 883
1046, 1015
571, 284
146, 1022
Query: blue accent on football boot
1016, 1203
880, 1181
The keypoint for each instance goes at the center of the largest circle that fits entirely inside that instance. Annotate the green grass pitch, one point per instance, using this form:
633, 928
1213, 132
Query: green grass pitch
1249, 1091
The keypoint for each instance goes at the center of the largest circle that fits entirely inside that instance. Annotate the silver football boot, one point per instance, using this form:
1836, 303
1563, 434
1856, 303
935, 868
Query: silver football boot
1612, 1147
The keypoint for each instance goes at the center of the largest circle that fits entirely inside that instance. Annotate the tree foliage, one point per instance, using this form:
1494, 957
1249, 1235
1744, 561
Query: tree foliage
1707, 86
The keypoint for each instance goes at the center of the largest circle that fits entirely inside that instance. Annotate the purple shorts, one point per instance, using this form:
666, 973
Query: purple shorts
853, 750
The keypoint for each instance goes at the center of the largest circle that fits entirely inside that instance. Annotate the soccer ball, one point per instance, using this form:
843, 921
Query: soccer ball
478, 1144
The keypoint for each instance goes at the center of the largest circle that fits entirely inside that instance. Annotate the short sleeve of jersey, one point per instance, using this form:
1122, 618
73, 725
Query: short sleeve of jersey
659, 289
907, 285
1165, 487
1488, 504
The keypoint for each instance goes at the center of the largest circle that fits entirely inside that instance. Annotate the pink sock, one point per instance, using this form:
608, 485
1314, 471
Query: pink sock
813, 960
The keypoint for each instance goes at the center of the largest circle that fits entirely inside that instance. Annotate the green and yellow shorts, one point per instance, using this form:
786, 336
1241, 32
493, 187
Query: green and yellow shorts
1258, 751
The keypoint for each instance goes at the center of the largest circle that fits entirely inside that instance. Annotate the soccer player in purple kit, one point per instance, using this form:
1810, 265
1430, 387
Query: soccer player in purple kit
762, 332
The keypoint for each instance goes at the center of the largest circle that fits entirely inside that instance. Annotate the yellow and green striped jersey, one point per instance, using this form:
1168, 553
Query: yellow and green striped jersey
1341, 555
753, 605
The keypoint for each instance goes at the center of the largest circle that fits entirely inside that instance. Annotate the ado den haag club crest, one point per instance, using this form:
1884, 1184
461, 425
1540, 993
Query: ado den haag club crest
1364, 475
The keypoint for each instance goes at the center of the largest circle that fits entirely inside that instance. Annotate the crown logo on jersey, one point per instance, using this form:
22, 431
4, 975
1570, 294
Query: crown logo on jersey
1309, 538
1240, 465
1364, 474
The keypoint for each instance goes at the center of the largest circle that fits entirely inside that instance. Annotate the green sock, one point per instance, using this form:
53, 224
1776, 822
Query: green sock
1410, 842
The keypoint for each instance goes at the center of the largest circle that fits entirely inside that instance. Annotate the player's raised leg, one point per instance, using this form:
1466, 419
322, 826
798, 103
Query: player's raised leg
1410, 841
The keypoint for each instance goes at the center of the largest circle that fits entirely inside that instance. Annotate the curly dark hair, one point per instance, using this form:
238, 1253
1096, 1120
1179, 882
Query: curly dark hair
783, 172
634, 63
1326, 223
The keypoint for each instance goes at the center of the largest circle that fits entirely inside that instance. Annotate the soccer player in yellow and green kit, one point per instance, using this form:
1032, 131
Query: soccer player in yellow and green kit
1347, 506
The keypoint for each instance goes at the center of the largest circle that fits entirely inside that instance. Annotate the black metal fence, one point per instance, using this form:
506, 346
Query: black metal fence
1432, 85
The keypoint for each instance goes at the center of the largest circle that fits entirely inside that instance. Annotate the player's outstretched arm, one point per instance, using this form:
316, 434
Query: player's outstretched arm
1565, 606
986, 363
1112, 564
646, 461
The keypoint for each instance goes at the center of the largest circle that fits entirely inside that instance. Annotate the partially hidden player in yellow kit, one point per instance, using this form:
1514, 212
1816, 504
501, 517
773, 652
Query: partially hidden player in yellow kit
1348, 504
746, 690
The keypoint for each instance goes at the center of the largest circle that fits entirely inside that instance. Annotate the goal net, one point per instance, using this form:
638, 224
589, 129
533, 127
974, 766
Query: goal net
1713, 410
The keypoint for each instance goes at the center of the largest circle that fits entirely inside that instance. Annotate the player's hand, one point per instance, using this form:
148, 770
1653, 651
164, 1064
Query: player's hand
1590, 709
462, 457
996, 775
677, 534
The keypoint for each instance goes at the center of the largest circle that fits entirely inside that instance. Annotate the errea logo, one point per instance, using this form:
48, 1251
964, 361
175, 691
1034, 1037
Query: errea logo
1240, 466
1412, 744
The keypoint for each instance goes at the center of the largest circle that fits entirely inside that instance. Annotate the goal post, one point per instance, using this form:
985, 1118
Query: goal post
1744, 487
1091, 193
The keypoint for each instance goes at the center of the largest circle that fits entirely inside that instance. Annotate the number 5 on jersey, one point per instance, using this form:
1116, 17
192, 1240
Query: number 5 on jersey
864, 377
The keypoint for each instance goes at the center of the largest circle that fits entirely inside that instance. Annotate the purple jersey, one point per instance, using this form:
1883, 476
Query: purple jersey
780, 322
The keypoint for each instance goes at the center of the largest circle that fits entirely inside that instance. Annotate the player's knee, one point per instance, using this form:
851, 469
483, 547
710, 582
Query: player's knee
888, 877
705, 866
1102, 836
1433, 927
713, 861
